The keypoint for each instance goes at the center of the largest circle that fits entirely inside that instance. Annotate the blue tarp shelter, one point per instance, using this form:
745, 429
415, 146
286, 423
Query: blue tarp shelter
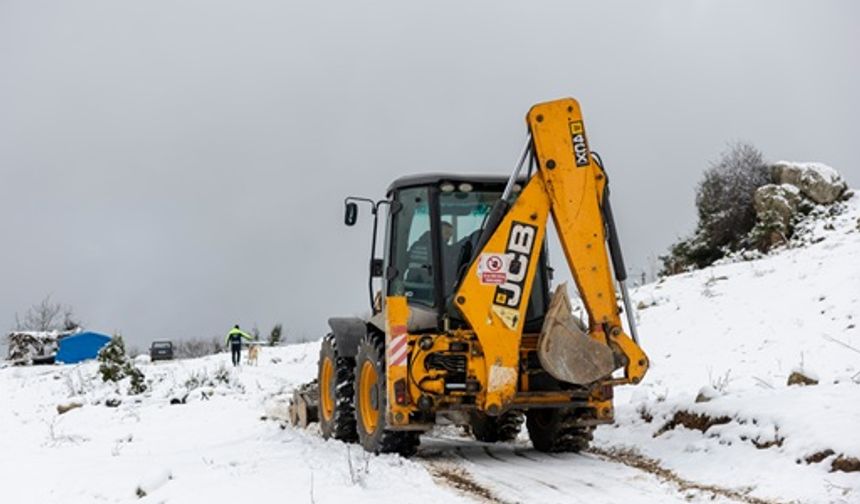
81, 346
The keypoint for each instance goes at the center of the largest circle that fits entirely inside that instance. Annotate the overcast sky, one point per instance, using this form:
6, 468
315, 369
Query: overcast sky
170, 168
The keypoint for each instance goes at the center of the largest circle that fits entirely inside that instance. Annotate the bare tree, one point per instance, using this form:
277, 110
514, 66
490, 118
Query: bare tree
47, 316
198, 347
70, 320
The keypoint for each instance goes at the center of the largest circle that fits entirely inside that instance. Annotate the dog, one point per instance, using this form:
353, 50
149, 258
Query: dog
253, 354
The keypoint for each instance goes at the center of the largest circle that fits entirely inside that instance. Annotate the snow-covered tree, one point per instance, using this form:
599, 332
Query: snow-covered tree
114, 365
724, 197
726, 209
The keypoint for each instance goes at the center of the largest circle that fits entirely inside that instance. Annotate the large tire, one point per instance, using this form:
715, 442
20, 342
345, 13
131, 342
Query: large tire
557, 430
489, 429
336, 380
370, 402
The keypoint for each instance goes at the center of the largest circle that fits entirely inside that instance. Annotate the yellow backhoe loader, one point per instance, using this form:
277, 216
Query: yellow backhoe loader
464, 328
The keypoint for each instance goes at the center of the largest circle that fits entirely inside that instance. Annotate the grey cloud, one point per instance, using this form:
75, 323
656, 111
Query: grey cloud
172, 168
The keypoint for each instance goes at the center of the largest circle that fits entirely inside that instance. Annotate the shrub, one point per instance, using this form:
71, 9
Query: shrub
191, 348
725, 208
692, 252
222, 375
724, 198
112, 358
114, 365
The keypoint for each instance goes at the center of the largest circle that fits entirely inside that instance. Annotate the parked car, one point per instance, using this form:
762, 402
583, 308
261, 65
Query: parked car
161, 350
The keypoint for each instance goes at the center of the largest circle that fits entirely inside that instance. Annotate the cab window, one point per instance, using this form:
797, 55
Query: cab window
411, 248
464, 214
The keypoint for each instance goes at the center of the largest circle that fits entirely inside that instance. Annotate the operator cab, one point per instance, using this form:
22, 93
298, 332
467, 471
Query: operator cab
434, 224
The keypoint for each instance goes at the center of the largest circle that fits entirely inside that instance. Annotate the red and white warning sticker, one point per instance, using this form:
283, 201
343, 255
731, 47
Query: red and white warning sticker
493, 268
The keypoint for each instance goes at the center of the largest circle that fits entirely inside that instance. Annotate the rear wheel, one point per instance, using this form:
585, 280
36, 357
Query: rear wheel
557, 430
490, 429
336, 385
370, 402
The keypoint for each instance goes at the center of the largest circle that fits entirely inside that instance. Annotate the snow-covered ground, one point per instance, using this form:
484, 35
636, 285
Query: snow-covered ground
737, 330
225, 444
214, 448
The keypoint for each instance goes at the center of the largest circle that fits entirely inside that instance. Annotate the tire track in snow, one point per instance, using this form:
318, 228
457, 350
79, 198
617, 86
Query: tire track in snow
512, 472
456, 477
632, 459
446, 469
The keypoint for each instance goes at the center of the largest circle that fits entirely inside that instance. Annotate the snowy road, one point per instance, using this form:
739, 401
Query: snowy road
517, 473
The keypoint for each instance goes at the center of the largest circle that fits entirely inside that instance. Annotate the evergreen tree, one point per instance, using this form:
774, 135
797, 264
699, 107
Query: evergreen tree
275, 335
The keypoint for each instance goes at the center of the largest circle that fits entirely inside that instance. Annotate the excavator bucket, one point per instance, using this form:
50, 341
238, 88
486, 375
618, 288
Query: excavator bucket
565, 351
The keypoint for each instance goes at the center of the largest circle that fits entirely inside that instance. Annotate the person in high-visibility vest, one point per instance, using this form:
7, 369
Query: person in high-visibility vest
234, 338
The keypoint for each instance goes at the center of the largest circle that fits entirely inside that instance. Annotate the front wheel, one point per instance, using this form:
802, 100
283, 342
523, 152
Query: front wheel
335, 378
370, 402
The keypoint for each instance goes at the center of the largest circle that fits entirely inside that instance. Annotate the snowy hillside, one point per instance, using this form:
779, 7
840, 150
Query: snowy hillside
207, 433
738, 331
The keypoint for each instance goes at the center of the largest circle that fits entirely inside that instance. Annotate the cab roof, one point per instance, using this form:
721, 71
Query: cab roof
427, 179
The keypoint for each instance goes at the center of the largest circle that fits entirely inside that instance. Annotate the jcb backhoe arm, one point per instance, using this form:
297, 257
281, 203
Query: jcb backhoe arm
571, 186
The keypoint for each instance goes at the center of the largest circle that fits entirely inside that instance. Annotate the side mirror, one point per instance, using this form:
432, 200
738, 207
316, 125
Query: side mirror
351, 214
376, 268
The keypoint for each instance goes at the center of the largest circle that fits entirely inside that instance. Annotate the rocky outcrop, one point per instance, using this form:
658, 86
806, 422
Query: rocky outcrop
777, 202
799, 191
775, 208
817, 181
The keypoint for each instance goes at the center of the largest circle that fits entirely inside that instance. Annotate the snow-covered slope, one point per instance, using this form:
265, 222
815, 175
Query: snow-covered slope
737, 330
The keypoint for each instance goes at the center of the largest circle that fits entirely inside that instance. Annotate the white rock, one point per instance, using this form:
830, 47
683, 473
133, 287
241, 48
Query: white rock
816, 181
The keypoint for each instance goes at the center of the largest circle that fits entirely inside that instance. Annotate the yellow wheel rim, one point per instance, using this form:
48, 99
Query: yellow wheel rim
367, 387
326, 399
